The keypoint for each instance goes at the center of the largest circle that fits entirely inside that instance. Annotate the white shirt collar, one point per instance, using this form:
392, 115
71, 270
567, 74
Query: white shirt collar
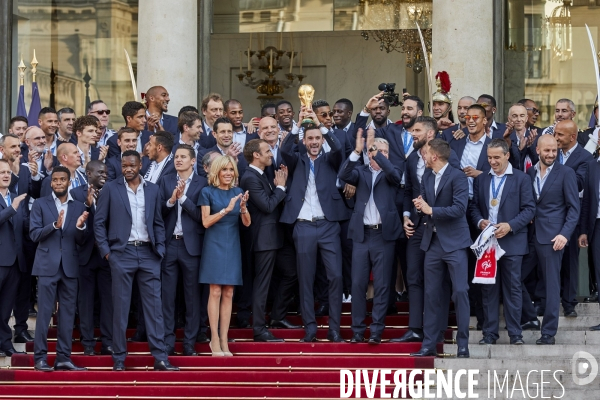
69, 198
508, 171
441, 171
142, 181
568, 153
548, 169
260, 171
481, 139
189, 179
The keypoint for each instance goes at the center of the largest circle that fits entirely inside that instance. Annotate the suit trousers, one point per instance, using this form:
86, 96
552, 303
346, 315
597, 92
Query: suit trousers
415, 260
595, 246
49, 288
549, 266
569, 273
437, 262
528, 272
142, 264
311, 237
285, 275
26, 287
178, 260
508, 280
475, 301
264, 263
9, 282
376, 254
95, 275
243, 294
204, 291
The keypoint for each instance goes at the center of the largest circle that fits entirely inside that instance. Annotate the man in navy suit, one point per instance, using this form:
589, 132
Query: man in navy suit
127, 139
57, 222
130, 233
266, 235
268, 130
444, 198
94, 270
459, 131
556, 216
212, 110
11, 226
134, 114
189, 126
492, 128
69, 157
503, 198
285, 116
342, 118
374, 228
159, 156
234, 112
35, 143
183, 240
314, 204
85, 129
157, 101
223, 133
98, 109
574, 156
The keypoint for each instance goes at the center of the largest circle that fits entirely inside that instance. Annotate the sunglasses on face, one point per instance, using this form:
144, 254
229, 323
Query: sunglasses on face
102, 112
533, 110
325, 114
472, 117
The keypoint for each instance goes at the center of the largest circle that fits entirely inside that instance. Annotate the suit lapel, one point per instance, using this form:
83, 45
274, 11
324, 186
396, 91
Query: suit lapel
52, 207
508, 184
70, 214
430, 188
149, 205
123, 192
549, 181
486, 189
483, 155
596, 180
442, 181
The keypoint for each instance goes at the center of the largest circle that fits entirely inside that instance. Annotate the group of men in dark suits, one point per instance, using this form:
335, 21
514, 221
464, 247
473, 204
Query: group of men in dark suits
332, 202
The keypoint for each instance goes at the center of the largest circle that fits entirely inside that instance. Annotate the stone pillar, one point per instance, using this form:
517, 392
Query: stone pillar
6, 61
168, 50
463, 46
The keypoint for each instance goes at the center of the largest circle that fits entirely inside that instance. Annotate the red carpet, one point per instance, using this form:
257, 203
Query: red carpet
289, 370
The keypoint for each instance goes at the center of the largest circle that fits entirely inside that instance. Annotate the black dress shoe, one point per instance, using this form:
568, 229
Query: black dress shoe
67, 366
322, 311
391, 310
88, 351
375, 339
463, 352
170, 350
545, 339
139, 336
119, 366
595, 328
10, 352
531, 325
592, 299
267, 337
425, 352
408, 337
23, 337
188, 350
488, 339
357, 338
2, 354
164, 366
43, 366
202, 338
243, 323
334, 336
516, 340
309, 337
284, 323
106, 351
32, 312
571, 314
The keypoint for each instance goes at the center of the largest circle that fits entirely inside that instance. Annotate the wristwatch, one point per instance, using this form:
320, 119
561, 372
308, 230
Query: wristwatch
367, 110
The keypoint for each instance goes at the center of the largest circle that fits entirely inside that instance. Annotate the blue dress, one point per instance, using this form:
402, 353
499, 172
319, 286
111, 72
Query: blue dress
221, 262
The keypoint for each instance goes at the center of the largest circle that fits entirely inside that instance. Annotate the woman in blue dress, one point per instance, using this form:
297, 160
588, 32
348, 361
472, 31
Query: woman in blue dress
221, 264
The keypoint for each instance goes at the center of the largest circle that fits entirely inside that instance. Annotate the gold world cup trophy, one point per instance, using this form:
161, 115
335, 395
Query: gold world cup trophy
306, 93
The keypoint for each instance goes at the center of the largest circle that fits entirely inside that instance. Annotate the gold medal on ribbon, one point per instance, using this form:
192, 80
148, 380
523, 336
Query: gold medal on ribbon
494, 202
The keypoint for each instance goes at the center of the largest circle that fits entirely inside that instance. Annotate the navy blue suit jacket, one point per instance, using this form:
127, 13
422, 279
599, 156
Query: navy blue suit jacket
327, 166
384, 195
168, 169
557, 209
113, 147
517, 208
449, 210
170, 124
85, 251
482, 163
264, 205
191, 215
207, 139
578, 161
113, 220
56, 246
589, 207
114, 170
448, 133
11, 232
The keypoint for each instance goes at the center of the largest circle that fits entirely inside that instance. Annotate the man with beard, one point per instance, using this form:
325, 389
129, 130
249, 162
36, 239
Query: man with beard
134, 114
212, 109
556, 216
94, 271
98, 109
157, 101
459, 131
18, 126
66, 118
284, 112
492, 128
57, 222
159, 150
48, 122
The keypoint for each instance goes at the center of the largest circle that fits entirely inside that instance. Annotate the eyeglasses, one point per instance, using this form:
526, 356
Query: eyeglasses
102, 112
472, 117
533, 110
325, 114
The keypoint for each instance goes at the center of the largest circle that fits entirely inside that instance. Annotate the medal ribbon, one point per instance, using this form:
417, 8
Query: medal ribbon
496, 191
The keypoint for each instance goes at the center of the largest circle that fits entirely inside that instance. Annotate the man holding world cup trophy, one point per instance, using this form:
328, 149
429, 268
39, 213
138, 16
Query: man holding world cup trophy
315, 206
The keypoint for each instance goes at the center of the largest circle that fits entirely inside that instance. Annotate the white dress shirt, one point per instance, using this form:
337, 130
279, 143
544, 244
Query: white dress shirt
438, 178
493, 210
371, 215
240, 137
563, 157
538, 185
137, 203
261, 172
63, 207
108, 133
178, 227
420, 172
470, 157
311, 207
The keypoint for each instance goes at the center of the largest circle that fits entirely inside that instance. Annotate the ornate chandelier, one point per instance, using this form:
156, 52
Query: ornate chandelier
391, 23
560, 36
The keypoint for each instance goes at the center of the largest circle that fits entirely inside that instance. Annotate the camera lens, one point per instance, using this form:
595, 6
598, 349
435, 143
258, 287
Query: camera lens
382, 87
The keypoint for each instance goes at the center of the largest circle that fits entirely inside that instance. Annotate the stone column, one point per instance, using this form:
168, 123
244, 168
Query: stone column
463, 46
168, 50
6, 60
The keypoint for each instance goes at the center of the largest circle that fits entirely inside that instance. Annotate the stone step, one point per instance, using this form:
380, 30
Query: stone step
583, 338
5, 361
512, 352
581, 323
581, 308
